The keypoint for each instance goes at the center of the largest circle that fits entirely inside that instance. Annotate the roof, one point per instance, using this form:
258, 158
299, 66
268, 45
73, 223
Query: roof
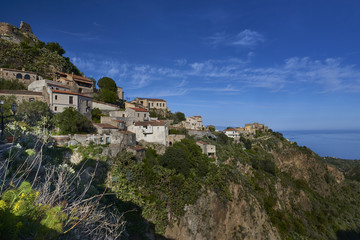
203, 143
126, 132
57, 85
16, 70
153, 99
139, 109
23, 92
229, 129
77, 77
151, 123
70, 93
137, 148
105, 125
113, 105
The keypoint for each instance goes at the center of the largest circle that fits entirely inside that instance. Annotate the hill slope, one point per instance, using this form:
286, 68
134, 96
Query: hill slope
20, 48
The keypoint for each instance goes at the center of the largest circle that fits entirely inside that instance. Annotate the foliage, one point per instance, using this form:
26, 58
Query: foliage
36, 58
21, 215
211, 128
178, 117
70, 121
32, 112
164, 184
96, 115
222, 138
107, 83
106, 95
55, 47
177, 131
11, 85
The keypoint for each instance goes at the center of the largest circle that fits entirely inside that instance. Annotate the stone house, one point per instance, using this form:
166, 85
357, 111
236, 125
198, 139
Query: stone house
119, 124
25, 77
59, 100
231, 132
193, 123
151, 103
173, 138
23, 95
137, 114
151, 131
253, 127
76, 83
207, 149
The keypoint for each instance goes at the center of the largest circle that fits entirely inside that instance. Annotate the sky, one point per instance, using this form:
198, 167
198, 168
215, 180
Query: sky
293, 65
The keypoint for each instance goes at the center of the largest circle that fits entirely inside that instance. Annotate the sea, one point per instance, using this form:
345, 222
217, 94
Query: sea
343, 144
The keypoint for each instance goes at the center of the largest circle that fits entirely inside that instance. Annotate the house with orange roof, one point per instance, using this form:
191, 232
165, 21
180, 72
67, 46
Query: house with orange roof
151, 103
137, 114
231, 132
77, 83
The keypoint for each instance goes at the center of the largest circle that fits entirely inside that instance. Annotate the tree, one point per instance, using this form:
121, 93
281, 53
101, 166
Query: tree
71, 121
108, 96
96, 115
11, 85
107, 83
32, 112
211, 128
55, 47
178, 117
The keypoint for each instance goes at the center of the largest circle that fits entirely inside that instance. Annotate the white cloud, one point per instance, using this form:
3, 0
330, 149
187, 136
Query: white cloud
246, 38
227, 77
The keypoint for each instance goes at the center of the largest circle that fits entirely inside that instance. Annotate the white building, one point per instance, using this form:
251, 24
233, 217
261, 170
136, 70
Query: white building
59, 100
151, 131
231, 132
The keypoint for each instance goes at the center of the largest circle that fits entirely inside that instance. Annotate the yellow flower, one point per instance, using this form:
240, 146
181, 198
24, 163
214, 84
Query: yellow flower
17, 206
3, 205
37, 193
22, 195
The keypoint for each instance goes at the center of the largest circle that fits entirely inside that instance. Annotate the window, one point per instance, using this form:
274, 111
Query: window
107, 139
144, 115
87, 103
55, 109
152, 104
27, 76
138, 114
71, 100
31, 99
157, 104
55, 97
19, 76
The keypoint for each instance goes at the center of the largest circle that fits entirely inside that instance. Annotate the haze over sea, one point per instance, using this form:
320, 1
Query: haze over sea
333, 143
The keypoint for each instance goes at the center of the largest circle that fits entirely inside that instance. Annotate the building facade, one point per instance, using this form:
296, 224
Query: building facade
23, 76
59, 100
207, 149
151, 131
76, 83
194, 123
151, 103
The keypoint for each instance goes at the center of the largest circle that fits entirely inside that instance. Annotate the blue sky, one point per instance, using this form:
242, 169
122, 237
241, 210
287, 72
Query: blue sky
289, 64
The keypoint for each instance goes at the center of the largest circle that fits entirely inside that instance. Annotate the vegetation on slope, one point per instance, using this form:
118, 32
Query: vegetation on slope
39, 57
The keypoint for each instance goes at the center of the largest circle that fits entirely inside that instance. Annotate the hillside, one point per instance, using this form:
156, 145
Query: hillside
276, 190
20, 48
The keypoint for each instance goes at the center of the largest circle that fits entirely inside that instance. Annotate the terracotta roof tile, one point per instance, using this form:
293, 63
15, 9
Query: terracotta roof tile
139, 109
153, 99
24, 92
105, 125
151, 123
68, 92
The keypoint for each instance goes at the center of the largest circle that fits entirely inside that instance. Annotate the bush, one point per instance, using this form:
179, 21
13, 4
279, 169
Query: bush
32, 112
178, 117
11, 85
71, 121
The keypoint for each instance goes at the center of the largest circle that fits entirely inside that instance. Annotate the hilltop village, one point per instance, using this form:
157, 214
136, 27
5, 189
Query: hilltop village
129, 125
